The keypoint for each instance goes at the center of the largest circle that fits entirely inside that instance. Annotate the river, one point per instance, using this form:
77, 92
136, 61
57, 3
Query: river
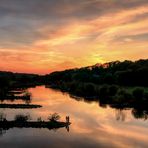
92, 126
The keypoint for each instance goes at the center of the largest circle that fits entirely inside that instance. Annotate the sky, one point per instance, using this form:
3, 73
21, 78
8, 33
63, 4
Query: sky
42, 36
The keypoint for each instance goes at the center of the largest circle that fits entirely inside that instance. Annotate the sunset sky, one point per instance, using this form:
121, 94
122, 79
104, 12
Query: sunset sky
41, 36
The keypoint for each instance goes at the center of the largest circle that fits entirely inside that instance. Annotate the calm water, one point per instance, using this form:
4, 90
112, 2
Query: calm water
92, 126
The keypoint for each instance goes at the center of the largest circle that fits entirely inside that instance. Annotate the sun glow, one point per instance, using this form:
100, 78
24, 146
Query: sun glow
67, 39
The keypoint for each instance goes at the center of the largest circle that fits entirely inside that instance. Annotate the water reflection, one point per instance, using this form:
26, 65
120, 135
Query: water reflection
120, 115
17, 94
8, 98
139, 112
92, 125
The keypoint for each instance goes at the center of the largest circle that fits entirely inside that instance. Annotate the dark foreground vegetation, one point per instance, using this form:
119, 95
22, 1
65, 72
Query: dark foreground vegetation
22, 121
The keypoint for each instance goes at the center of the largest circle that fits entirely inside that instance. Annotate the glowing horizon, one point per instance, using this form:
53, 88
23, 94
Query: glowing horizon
44, 36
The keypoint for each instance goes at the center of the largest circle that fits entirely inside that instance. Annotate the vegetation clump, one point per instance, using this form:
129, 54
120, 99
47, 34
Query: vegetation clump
138, 93
54, 117
22, 118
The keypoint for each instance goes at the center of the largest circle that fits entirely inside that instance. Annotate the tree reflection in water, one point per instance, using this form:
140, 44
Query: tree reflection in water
120, 115
140, 114
138, 111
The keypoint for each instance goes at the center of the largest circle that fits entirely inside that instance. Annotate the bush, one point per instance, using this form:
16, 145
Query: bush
123, 96
103, 91
22, 118
89, 89
79, 90
138, 93
72, 86
113, 89
54, 117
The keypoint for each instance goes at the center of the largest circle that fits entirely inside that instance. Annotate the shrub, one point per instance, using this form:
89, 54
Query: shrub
103, 91
54, 117
89, 89
123, 96
72, 86
113, 90
79, 90
22, 118
138, 93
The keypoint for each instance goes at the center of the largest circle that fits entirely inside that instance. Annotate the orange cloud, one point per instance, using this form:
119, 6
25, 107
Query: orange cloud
110, 36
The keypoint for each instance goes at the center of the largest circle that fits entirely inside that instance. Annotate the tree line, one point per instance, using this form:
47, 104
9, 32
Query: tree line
126, 73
